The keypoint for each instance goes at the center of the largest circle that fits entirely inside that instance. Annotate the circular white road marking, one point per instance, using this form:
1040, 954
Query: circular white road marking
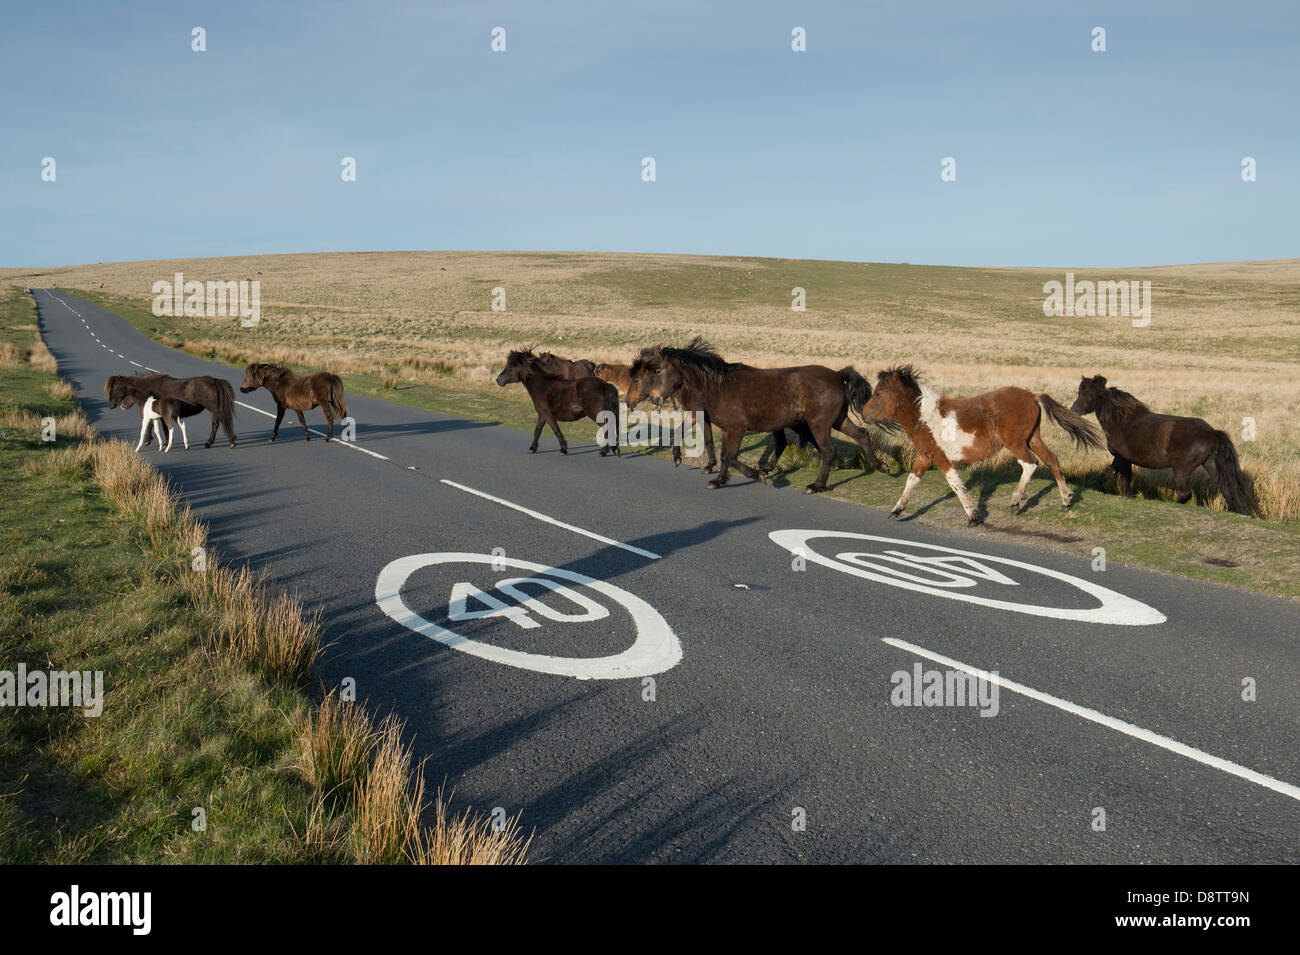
954, 574
655, 649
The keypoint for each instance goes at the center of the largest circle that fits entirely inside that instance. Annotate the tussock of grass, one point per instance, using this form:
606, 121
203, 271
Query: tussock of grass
41, 359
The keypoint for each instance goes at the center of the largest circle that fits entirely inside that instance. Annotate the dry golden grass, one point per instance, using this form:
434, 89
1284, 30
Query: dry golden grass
41, 358
272, 635
11, 356
61, 389
370, 770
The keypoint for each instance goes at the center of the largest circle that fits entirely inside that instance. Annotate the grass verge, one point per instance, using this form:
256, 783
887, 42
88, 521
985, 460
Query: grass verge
209, 747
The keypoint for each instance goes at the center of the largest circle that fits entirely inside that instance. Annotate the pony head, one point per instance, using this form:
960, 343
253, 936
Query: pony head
897, 389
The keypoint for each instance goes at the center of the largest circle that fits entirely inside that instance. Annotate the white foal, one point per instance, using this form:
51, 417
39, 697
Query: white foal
159, 412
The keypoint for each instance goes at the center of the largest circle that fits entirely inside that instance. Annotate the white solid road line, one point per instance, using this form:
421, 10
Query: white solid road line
538, 515
1110, 722
346, 444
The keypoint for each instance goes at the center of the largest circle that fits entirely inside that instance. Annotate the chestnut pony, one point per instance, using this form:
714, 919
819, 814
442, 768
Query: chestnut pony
1137, 435
559, 399
564, 368
301, 394
616, 375
947, 432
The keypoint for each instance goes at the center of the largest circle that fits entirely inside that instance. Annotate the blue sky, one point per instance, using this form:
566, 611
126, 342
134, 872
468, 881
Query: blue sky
1065, 157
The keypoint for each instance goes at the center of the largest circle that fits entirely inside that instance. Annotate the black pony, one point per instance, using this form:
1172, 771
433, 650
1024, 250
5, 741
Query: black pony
1137, 435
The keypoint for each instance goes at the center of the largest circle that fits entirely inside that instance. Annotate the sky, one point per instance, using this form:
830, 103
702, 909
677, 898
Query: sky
1064, 157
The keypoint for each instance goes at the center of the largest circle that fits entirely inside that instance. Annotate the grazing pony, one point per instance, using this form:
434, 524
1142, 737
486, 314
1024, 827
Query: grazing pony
947, 432
1137, 435
739, 398
323, 390
563, 399
564, 368
203, 393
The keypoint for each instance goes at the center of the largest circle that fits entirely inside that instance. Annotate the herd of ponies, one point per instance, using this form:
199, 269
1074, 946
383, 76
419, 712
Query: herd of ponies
810, 400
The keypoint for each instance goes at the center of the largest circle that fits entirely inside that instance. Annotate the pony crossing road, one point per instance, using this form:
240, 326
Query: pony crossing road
947, 432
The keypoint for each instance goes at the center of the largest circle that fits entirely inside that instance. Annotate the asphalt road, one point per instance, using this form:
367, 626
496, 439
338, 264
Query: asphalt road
769, 704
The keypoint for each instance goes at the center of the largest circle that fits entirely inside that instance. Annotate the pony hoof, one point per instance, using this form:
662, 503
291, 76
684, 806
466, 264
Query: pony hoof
814, 488
710, 468
714, 485
532, 450
209, 444
974, 521
564, 450
893, 515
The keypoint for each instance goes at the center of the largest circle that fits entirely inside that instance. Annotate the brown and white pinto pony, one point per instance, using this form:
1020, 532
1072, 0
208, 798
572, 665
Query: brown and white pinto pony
947, 432
323, 390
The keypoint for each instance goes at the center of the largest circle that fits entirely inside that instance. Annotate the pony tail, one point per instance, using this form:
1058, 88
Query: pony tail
337, 398
1233, 483
1084, 433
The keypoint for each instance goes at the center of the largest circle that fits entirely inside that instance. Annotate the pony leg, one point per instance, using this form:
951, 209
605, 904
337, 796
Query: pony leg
555, 426
919, 468
963, 495
537, 433
706, 425
1027, 469
870, 461
1045, 455
1183, 484
215, 424
329, 420
171, 433
767, 463
730, 448
826, 445
302, 420
180, 422
279, 416
144, 431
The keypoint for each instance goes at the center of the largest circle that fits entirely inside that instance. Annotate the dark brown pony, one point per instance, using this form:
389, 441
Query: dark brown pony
564, 368
1137, 435
739, 398
947, 432
563, 399
203, 393
323, 390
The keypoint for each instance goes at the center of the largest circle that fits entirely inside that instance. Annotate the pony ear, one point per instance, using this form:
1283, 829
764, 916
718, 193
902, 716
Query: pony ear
1100, 380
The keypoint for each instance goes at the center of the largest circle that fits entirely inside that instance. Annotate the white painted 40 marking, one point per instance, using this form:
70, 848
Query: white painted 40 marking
655, 649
